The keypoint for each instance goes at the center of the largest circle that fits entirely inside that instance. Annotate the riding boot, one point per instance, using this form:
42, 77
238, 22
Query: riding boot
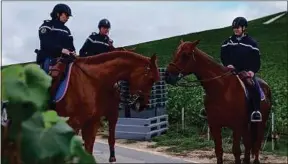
53, 88
255, 96
56, 73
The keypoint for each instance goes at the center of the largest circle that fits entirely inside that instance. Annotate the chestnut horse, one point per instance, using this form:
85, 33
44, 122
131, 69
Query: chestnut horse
225, 100
91, 92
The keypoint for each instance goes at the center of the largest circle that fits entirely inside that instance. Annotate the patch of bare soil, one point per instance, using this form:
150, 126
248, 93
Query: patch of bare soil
199, 156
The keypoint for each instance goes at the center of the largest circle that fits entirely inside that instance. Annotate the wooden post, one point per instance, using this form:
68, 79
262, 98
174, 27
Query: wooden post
272, 131
208, 133
183, 119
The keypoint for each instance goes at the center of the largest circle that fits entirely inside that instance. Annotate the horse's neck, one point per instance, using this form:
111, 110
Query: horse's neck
110, 69
116, 70
206, 70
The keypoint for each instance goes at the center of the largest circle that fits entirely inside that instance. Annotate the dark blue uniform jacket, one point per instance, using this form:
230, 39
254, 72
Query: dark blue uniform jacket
54, 36
242, 53
96, 44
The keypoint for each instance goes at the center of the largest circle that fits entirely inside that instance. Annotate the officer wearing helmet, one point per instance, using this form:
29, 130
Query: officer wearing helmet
55, 40
55, 37
98, 43
240, 52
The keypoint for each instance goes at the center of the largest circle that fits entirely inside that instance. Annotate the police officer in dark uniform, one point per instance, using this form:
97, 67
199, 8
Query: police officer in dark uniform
240, 52
55, 37
55, 41
98, 43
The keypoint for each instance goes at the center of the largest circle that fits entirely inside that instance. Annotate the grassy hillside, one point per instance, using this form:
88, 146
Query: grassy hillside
272, 40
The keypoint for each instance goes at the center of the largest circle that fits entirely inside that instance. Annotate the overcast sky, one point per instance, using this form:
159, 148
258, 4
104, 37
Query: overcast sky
132, 21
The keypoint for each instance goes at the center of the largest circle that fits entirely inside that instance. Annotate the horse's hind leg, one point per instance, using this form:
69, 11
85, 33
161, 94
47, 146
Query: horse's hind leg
112, 119
89, 131
216, 133
236, 146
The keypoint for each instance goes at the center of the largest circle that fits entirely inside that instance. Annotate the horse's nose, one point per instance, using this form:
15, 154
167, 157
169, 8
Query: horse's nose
166, 76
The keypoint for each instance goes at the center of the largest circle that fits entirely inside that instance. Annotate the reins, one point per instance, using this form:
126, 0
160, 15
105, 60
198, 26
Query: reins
193, 82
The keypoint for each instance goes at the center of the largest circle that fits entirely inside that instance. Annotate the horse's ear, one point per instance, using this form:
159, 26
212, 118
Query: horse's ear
153, 58
196, 42
181, 41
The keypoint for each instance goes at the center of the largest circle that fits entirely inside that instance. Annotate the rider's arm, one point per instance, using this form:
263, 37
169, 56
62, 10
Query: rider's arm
225, 54
254, 61
71, 41
47, 39
85, 48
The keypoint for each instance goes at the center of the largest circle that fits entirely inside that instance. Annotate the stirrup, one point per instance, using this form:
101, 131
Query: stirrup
201, 113
256, 113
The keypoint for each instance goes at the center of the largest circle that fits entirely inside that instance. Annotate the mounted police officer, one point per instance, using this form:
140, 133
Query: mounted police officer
55, 41
98, 43
240, 53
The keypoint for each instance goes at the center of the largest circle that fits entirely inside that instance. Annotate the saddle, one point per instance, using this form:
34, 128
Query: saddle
256, 116
244, 76
57, 70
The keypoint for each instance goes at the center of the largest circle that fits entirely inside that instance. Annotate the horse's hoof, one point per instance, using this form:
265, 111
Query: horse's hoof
112, 160
256, 161
238, 161
246, 161
220, 161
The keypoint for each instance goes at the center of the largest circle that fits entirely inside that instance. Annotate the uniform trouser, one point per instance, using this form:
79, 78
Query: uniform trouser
55, 79
254, 94
45, 65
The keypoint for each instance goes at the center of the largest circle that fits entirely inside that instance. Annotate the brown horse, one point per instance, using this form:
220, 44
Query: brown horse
92, 93
225, 100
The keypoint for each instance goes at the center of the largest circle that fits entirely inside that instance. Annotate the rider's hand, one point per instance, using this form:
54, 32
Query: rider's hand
65, 51
230, 66
251, 74
73, 53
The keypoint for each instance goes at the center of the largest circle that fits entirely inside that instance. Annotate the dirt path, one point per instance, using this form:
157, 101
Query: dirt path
201, 156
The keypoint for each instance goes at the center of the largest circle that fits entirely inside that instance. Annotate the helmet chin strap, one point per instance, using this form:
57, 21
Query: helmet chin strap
239, 37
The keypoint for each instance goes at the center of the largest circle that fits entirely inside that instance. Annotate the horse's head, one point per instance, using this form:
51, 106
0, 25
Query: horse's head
141, 81
182, 63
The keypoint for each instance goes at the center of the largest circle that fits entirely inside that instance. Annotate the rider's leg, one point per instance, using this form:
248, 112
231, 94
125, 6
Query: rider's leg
57, 71
256, 99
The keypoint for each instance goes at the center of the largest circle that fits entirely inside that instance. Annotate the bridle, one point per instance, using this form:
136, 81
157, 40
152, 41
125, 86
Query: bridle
132, 99
182, 76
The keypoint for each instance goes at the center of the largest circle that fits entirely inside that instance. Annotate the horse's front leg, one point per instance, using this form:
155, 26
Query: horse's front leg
89, 132
216, 134
247, 145
112, 119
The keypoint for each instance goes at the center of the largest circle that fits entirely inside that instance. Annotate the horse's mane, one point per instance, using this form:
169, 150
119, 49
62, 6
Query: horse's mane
100, 58
209, 58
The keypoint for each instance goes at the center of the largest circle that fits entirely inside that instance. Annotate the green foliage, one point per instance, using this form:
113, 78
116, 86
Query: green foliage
43, 136
273, 48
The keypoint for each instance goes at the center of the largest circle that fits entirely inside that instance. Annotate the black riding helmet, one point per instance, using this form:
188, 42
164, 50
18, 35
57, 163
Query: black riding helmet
61, 8
104, 23
239, 22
